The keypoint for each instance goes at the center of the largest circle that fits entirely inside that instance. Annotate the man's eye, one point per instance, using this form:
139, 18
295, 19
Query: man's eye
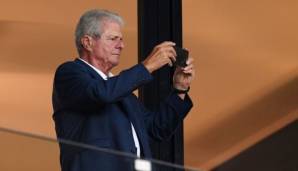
114, 38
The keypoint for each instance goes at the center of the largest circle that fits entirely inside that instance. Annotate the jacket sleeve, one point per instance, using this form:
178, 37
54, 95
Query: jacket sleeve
162, 123
74, 86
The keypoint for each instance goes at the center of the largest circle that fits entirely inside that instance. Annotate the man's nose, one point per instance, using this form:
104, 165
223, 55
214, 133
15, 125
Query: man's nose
121, 44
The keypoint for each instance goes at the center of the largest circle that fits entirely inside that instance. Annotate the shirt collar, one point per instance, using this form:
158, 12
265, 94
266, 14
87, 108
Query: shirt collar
103, 75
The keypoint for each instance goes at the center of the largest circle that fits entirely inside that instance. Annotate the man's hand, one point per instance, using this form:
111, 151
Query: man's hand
183, 76
161, 55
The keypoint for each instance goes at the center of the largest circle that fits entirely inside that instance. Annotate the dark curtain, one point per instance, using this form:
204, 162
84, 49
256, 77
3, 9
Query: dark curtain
158, 21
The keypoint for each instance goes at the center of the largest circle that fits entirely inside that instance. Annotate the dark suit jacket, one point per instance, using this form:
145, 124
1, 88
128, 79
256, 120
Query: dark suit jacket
94, 111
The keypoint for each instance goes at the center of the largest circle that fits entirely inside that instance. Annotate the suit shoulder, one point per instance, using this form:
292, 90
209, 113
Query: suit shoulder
69, 66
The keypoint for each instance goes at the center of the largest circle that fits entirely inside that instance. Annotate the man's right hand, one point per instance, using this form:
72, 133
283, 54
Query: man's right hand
161, 55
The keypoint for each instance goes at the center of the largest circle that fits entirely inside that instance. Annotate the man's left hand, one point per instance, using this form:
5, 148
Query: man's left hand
183, 75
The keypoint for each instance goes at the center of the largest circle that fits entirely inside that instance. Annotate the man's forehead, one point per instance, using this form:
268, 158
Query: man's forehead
112, 28
113, 33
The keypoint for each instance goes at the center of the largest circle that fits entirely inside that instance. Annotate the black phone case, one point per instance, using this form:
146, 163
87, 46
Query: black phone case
182, 56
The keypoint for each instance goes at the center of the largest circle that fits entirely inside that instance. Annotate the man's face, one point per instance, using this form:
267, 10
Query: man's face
108, 47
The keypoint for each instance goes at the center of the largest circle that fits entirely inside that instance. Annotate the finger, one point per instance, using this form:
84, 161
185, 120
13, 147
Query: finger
168, 43
169, 49
190, 70
190, 60
170, 63
165, 44
173, 51
188, 67
172, 56
172, 59
187, 71
169, 52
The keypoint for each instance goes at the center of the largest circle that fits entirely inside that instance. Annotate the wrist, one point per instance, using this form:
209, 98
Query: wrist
148, 67
180, 90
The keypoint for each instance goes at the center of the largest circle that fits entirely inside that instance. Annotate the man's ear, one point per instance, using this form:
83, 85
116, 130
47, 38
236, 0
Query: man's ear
87, 43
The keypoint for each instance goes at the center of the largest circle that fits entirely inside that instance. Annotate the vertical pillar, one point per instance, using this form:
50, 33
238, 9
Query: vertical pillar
158, 21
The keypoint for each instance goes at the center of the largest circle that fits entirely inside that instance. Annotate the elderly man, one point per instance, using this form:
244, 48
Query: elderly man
94, 107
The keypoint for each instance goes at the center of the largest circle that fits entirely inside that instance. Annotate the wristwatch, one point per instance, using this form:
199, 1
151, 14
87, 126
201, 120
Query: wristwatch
178, 91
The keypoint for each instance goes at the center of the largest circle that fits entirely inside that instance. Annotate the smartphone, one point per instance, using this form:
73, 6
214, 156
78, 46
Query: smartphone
182, 56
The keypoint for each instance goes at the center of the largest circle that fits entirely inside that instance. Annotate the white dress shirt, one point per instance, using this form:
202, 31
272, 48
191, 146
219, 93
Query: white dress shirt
134, 134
